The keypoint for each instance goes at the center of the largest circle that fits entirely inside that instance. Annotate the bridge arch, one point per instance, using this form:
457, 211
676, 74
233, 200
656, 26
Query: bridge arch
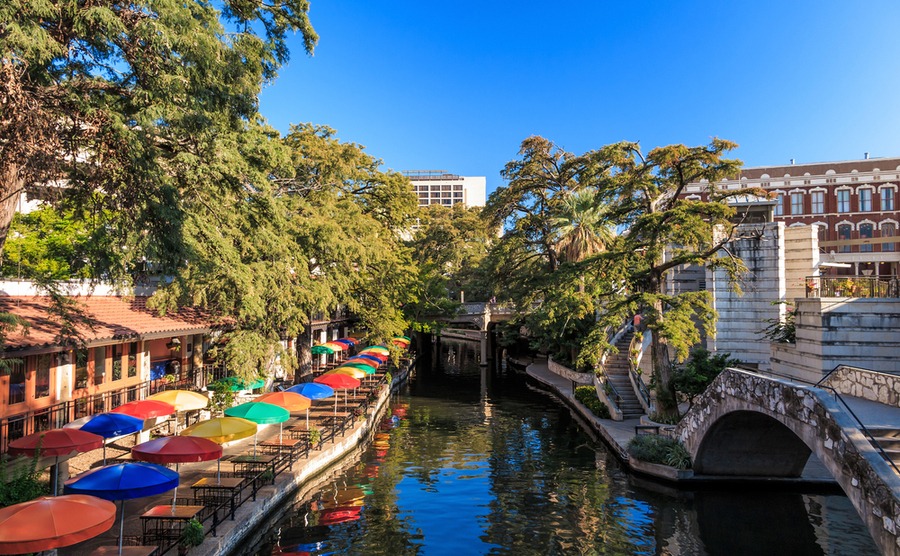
746, 424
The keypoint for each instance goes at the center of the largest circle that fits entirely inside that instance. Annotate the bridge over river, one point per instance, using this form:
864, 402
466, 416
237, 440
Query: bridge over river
750, 425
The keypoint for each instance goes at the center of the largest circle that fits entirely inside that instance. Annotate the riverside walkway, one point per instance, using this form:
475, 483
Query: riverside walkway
257, 502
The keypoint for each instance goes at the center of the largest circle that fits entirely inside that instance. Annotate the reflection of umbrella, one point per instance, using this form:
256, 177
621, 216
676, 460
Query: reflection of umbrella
52, 522
111, 425
177, 450
291, 401
234, 384
221, 429
341, 514
146, 409
56, 442
261, 413
124, 481
183, 400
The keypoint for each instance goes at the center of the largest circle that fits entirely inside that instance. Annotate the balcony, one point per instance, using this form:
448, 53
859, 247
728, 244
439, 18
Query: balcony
852, 286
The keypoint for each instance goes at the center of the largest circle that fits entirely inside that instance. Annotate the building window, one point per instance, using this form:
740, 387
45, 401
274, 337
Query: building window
81, 374
42, 377
779, 205
796, 203
843, 200
888, 230
132, 359
16, 381
117, 361
865, 200
818, 202
844, 235
99, 364
887, 199
865, 232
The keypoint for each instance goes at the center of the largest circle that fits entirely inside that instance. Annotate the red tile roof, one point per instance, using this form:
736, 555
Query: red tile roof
106, 318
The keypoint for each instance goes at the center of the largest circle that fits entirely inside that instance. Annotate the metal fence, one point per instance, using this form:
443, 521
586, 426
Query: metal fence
852, 286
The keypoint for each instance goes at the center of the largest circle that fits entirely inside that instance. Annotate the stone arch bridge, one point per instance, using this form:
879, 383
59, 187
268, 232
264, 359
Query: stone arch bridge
749, 425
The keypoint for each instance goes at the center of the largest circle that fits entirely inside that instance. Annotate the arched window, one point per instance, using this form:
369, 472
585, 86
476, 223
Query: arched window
888, 229
844, 234
865, 232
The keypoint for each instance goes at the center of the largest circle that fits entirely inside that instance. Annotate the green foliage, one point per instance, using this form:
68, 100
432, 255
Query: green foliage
692, 379
588, 397
192, 534
23, 485
222, 397
782, 330
654, 448
315, 435
665, 418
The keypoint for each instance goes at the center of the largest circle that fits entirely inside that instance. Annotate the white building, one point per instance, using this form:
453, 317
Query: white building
437, 187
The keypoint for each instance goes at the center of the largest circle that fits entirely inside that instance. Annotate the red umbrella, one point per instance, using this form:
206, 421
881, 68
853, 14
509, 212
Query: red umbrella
146, 409
338, 381
177, 449
51, 522
56, 442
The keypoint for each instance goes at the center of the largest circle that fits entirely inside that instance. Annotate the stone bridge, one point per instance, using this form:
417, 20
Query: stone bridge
479, 315
749, 425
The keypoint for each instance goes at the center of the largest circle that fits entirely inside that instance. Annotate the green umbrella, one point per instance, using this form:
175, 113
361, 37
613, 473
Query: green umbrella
361, 366
321, 350
261, 413
234, 384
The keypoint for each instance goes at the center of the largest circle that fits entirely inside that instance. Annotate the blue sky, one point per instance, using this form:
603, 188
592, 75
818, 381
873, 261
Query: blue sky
458, 85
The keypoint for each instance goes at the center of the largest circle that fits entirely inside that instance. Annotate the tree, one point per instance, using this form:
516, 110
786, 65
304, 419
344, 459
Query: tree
692, 378
113, 103
664, 230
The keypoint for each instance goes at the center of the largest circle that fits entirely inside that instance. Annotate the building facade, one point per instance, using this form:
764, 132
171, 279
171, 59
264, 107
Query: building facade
852, 204
437, 187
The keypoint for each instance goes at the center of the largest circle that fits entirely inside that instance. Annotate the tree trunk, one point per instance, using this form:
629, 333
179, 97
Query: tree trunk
304, 353
11, 189
667, 403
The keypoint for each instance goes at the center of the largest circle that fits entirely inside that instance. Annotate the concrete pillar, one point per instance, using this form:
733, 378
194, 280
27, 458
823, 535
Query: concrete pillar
484, 349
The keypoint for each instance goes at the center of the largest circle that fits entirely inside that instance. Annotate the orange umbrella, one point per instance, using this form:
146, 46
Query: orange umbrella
291, 401
53, 521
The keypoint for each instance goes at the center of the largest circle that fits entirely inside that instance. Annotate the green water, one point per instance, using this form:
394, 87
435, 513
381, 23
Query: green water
481, 463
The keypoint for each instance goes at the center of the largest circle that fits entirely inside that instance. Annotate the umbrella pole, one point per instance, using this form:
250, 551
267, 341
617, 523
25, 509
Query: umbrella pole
55, 475
218, 470
121, 526
280, 429
307, 418
104, 451
175, 494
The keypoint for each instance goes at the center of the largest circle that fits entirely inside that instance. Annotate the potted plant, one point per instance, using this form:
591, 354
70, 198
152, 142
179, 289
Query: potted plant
314, 436
192, 535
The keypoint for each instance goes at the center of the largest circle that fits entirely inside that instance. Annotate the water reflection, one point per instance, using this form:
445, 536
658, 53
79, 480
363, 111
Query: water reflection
475, 463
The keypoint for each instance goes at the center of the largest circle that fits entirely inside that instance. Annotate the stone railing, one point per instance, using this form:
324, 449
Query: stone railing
862, 383
565, 372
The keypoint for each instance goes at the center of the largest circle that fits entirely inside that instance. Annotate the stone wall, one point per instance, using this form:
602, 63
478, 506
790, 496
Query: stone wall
878, 387
840, 331
801, 259
565, 372
821, 424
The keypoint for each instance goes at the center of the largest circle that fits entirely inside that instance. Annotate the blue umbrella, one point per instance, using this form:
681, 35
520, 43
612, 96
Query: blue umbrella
110, 425
312, 390
371, 358
124, 481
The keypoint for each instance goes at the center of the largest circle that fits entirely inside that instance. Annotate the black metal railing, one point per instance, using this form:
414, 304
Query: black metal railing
852, 286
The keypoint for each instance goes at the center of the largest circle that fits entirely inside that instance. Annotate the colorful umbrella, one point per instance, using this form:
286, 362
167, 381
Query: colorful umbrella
123, 482
336, 346
112, 425
365, 368
338, 381
349, 371
344, 342
261, 413
52, 522
234, 384
183, 400
312, 390
177, 450
56, 442
146, 409
378, 349
221, 429
291, 401
367, 357
321, 350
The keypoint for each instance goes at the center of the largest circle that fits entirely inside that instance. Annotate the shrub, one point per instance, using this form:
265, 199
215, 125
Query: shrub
654, 448
588, 397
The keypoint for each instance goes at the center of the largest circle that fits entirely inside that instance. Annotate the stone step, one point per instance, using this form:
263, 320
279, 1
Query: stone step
884, 432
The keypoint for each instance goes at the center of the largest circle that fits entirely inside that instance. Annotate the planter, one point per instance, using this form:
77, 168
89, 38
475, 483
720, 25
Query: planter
659, 471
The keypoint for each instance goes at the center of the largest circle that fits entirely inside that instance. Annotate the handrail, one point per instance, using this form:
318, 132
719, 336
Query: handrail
838, 398
636, 379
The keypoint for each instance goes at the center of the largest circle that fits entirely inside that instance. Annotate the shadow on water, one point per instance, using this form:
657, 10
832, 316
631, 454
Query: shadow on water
473, 461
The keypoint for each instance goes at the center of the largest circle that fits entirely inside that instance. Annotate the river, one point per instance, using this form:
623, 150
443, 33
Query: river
479, 462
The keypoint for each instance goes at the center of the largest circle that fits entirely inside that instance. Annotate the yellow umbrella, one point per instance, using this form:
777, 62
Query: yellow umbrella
349, 371
183, 400
222, 429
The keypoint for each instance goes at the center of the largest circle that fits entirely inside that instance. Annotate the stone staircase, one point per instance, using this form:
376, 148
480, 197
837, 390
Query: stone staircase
616, 368
889, 441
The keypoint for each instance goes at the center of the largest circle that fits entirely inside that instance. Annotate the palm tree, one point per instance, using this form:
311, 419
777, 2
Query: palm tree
581, 227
